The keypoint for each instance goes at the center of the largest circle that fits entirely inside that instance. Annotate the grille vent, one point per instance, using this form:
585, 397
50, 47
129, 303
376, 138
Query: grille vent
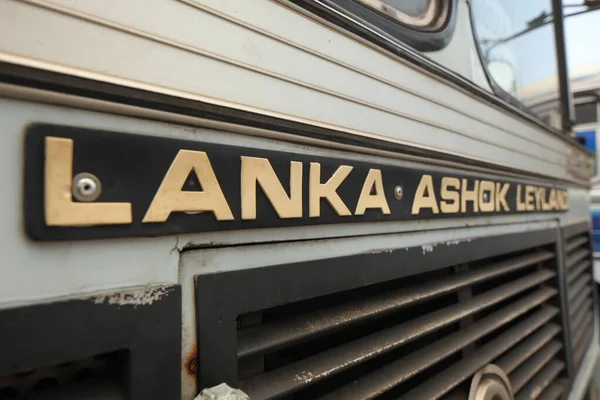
420, 337
580, 282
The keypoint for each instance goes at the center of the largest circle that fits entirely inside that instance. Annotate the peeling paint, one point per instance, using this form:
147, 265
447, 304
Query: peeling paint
304, 377
457, 242
139, 297
427, 248
379, 251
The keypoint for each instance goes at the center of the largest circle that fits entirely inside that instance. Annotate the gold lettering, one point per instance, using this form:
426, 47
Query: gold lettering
368, 200
501, 191
469, 195
553, 205
520, 204
259, 171
529, 198
451, 198
170, 198
318, 190
59, 207
538, 198
545, 205
425, 201
563, 199
486, 186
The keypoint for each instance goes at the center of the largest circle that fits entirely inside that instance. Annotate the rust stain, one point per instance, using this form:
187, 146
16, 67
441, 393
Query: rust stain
191, 362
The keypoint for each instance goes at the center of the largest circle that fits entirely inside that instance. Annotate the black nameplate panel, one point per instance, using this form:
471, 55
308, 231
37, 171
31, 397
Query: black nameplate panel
83, 183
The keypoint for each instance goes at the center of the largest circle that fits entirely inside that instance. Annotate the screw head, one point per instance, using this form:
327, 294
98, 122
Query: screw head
398, 192
86, 187
486, 196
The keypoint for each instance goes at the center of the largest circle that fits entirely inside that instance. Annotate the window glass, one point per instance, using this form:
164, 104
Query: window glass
586, 113
423, 14
516, 43
413, 8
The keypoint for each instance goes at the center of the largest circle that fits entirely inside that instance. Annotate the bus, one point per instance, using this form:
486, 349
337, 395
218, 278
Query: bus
292, 199
585, 86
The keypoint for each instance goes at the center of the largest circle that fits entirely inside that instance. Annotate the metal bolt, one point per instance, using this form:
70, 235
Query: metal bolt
398, 192
193, 366
86, 187
486, 197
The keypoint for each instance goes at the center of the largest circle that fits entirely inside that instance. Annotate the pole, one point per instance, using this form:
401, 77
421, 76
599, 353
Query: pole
566, 98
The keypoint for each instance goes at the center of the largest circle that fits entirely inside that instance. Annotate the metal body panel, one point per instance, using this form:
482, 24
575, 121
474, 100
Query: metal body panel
273, 58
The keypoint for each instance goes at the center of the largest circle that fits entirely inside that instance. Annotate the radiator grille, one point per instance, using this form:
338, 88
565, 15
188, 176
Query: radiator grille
580, 282
420, 337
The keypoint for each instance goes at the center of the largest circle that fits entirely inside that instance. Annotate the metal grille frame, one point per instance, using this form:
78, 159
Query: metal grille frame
569, 234
222, 297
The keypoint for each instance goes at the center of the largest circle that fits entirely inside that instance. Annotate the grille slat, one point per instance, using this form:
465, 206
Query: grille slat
581, 317
526, 372
439, 385
578, 270
578, 286
579, 299
574, 243
582, 344
383, 379
579, 294
575, 257
541, 381
518, 355
313, 369
552, 392
273, 336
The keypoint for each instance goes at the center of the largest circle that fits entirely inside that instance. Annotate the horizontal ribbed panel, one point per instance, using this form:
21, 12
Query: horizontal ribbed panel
533, 365
577, 242
275, 335
579, 294
285, 380
439, 385
416, 339
552, 392
519, 354
538, 385
383, 379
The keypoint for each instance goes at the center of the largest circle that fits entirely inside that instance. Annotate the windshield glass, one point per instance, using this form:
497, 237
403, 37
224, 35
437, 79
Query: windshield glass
516, 42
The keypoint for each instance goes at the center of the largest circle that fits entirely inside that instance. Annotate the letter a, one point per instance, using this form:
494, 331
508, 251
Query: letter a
368, 200
425, 201
170, 197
